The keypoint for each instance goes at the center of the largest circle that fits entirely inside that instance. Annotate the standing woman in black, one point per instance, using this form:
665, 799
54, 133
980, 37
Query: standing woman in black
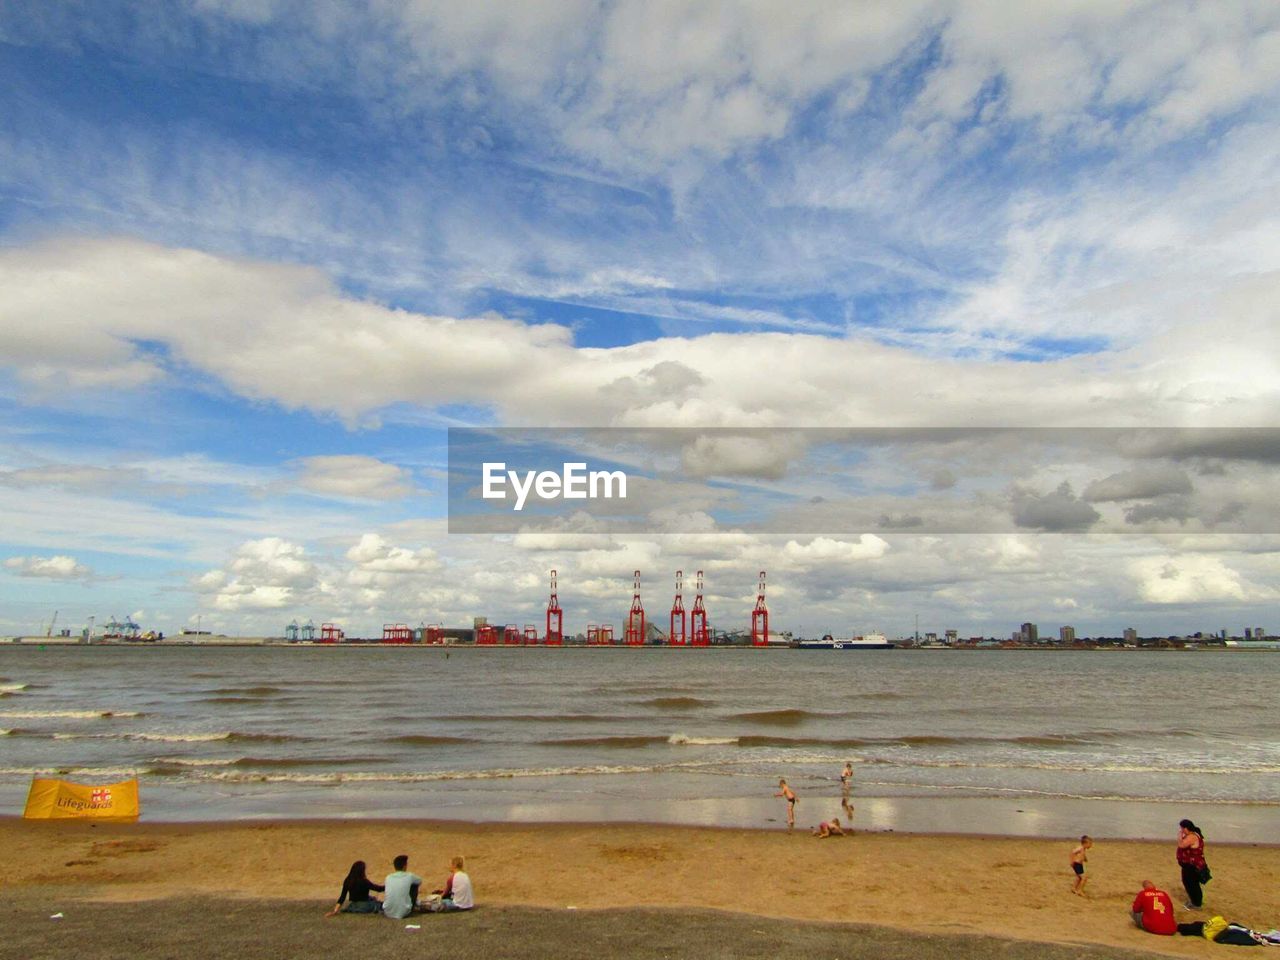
1191, 860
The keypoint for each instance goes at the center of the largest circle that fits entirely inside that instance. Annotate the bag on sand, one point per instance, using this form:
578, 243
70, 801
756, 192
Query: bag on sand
1205, 875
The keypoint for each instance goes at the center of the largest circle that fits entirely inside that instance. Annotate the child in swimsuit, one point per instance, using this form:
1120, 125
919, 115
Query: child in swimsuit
828, 829
785, 791
1079, 857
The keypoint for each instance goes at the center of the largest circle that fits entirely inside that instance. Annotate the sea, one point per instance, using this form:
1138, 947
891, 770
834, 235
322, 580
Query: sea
1024, 743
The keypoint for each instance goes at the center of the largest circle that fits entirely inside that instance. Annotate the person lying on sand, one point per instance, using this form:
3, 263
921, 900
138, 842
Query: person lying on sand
829, 828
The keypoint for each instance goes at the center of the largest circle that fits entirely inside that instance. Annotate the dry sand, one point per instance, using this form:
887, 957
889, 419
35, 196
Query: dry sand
941, 886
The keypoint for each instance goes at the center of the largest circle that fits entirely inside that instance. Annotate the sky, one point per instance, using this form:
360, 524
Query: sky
258, 256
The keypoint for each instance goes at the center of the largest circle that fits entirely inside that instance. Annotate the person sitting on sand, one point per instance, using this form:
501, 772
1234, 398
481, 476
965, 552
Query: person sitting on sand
785, 791
402, 890
1152, 910
828, 828
1079, 857
355, 891
456, 894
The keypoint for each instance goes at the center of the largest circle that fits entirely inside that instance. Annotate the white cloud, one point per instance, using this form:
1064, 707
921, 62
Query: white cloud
49, 568
365, 478
284, 333
1192, 578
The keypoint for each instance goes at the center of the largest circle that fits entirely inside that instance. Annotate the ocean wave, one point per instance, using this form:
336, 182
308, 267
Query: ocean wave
339, 777
606, 742
227, 735
785, 717
163, 765
427, 740
675, 703
261, 691
252, 700
509, 718
683, 740
194, 761
8, 688
848, 743
68, 714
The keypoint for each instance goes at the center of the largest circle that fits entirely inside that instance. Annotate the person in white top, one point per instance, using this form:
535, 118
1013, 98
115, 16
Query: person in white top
456, 894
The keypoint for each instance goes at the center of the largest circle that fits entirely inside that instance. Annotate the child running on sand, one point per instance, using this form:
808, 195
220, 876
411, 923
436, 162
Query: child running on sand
785, 791
1079, 857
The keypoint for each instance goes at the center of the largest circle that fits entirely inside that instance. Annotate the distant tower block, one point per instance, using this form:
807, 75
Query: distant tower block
635, 618
698, 635
760, 618
676, 636
555, 617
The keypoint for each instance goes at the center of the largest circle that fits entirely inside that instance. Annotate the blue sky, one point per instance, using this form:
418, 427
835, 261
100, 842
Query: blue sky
256, 257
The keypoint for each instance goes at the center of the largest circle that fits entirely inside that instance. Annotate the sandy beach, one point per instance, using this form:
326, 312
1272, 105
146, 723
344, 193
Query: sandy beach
939, 886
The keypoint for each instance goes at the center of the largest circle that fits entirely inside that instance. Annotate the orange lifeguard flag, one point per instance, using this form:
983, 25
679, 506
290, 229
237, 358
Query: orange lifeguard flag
51, 799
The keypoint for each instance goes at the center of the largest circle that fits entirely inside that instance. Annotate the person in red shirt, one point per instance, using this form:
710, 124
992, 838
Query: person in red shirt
1153, 910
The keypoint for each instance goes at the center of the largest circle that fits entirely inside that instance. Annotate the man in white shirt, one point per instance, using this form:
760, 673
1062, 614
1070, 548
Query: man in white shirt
401, 897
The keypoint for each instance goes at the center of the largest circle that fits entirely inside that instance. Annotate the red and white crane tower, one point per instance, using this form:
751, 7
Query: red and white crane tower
555, 618
676, 637
760, 619
698, 635
635, 619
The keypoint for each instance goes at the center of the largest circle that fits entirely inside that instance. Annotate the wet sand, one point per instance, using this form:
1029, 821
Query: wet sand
948, 888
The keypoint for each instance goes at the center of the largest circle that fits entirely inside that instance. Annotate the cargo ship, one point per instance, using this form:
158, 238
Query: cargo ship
869, 641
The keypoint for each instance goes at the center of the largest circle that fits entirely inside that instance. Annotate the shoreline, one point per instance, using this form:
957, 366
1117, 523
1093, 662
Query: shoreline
936, 884
1013, 818
445, 823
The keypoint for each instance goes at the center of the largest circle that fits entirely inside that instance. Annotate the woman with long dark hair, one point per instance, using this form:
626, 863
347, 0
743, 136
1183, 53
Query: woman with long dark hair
355, 891
1191, 860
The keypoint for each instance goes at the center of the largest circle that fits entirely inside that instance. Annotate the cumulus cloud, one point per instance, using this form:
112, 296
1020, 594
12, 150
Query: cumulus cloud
1192, 578
365, 478
1140, 483
1053, 512
49, 568
266, 574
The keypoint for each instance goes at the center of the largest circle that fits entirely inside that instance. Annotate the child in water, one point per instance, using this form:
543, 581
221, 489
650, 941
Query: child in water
785, 791
1079, 857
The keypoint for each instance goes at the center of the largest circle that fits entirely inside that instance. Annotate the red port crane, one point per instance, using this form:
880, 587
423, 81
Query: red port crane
555, 617
760, 619
676, 636
698, 635
635, 619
